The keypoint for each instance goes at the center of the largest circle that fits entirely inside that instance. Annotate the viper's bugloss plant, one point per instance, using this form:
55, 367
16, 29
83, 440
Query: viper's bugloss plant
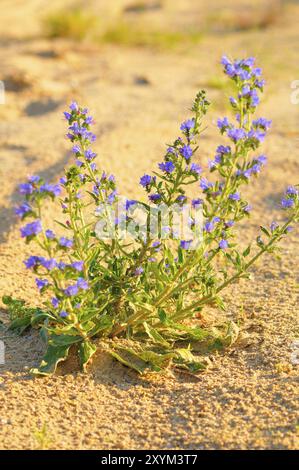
144, 297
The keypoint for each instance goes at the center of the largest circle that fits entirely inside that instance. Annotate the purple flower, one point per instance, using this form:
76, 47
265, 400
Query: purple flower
93, 166
111, 197
223, 124
286, 203
247, 173
90, 155
76, 148
229, 223
234, 196
146, 180
262, 159
66, 242
213, 163
26, 188
263, 123
138, 271
78, 265
186, 152
196, 203
166, 229
53, 189
205, 184
67, 115
187, 125
167, 167
79, 163
31, 229
245, 90
260, 84
254, 98
257, 72
291, 191
31, 262
195, 168
210, 225
242, 74
223, 244
247, 208
63, 180
96, 191
155, 197
23, 209
249, 62
256, 135
54, 302
89, 120
274, 226
256, 169
41, 283
82, 283
181, 199
71, 291
130, 203
48, 263
33, 179
74, 106
225, 60
63, 314
185, 244
223, 150
236, 134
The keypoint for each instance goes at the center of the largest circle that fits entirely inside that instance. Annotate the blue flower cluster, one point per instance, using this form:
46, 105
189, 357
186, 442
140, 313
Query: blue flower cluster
223, 205
291, 197
177, 168
35, 190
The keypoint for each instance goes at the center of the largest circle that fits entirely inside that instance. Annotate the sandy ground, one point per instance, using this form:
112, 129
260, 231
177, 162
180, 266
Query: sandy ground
248, 399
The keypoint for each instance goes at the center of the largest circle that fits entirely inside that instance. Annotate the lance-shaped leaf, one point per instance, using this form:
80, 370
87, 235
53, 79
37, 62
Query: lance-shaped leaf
86, 351
53, 356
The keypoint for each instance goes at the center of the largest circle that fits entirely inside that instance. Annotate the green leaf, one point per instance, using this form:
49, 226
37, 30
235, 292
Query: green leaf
265, 231
62, 225
232, 334
129, 360
186, 360
141, 359
103, 323
191, 333
86, 351
63, 339
247, 251
53, 356
162, 315
155, 335
44, 334
20, 324
39, 316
